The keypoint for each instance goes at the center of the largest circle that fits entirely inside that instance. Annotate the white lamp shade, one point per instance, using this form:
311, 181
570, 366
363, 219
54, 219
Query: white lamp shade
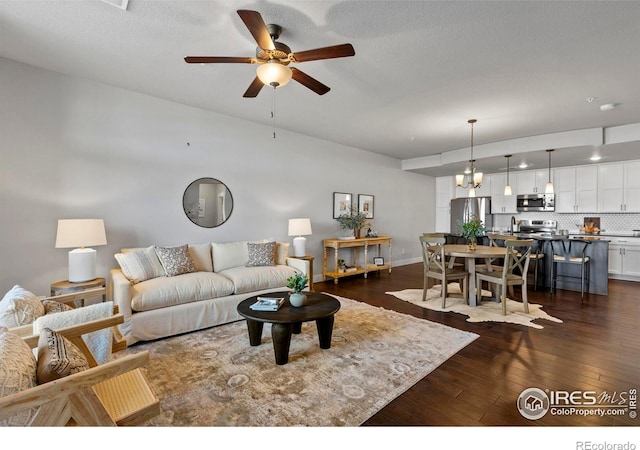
459, 180
548, 189
299, 227
274, 73
507, 190
477, 178
80, 233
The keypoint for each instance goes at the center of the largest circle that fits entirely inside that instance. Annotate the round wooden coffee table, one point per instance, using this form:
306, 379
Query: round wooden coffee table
288, 320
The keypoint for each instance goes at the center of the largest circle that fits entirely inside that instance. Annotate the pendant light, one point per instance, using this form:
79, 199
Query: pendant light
549, 187
507, 187
475, 178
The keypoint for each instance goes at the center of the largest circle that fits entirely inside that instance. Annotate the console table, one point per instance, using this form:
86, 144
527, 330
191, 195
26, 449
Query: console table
364, 265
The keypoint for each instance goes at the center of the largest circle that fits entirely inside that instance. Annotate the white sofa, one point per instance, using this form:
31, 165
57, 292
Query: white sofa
159, 298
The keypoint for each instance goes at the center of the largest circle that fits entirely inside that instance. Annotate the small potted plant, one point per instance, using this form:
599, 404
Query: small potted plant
472, 230
341, 265
355, 220
297, 282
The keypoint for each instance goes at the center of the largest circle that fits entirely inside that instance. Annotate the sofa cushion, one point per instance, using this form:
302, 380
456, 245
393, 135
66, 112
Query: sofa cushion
175, 260
190, 287
250, 279
58, 357
19, 307
17, 371
201, 257
140, 264
231, 254
261, 254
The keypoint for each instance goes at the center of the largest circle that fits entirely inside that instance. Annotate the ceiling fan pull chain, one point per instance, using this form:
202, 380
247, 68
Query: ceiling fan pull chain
273, 111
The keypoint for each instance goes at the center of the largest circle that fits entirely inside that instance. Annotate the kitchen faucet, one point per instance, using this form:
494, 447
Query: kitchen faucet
513, 222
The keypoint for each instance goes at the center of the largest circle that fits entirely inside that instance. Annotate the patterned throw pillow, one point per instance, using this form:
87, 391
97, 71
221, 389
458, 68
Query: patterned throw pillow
175, 260
140, 265
58, 357
17, 372
19, 307
261, 254
52, 307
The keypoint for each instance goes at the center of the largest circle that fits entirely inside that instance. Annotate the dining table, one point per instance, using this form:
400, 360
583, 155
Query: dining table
483, 252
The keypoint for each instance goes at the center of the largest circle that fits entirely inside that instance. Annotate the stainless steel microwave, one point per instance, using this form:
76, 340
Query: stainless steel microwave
536, 202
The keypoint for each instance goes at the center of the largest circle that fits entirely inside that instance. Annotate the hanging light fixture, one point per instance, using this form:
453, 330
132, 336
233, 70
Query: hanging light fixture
507, 187
549, 187
475, 178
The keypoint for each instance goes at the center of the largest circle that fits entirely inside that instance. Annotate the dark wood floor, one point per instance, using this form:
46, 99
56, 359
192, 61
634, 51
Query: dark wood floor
596, 348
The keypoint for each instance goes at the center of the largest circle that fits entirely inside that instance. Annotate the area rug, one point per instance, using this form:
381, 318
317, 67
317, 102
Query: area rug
214, 377
487, 311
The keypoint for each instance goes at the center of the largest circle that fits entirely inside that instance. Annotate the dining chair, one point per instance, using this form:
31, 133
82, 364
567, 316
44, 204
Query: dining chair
570, 252
436, 266
513, 273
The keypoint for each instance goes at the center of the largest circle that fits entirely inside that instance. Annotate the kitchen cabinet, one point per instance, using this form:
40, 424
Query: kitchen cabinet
500, 203
619, 187
624, 259
531, 181
444, 194
576, 189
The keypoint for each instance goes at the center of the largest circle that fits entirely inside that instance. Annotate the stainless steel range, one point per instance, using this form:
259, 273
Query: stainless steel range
538, 226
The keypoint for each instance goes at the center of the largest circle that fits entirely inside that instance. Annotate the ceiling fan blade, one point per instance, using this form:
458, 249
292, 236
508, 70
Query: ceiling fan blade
219, 59
335, 51
309, 82
258, 29
254, 88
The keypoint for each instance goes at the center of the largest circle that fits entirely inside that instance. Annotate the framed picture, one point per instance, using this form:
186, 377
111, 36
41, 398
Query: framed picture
365, 205
378, 261
341, 204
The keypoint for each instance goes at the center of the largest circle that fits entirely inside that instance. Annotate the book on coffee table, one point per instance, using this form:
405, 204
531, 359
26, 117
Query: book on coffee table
268, 304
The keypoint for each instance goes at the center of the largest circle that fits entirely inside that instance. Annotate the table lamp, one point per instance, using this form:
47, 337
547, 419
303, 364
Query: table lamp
299, 228
81, 233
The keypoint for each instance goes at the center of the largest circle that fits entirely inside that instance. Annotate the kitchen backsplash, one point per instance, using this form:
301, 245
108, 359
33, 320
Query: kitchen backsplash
572, 222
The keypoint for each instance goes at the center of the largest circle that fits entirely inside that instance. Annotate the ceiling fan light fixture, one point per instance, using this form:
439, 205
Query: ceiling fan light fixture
274, 73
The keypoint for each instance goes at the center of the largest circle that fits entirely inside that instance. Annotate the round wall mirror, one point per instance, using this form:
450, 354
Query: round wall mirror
207, 202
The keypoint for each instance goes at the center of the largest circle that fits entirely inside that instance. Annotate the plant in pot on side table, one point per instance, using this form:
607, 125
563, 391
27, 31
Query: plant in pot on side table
355, 220
297, 282
472, 230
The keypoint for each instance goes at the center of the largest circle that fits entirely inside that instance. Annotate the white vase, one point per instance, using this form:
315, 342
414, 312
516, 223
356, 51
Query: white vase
297, 299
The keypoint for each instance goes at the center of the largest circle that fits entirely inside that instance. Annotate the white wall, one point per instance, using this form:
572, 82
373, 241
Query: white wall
71, 148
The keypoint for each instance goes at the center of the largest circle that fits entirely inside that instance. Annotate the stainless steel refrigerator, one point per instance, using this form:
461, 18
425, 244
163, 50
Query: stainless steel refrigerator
463, 209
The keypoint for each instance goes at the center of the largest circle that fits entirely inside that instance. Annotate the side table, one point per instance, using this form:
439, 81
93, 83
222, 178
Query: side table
309, 258
67, 287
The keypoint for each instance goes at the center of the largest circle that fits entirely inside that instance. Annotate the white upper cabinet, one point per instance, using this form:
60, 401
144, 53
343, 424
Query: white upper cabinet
619, 187
531, 181
576, 189
500, 203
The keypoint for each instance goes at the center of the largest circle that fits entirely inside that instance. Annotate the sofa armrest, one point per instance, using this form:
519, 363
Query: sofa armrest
120, 290
299, 264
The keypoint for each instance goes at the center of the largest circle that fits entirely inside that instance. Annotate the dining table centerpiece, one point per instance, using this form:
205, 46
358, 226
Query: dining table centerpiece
472, 230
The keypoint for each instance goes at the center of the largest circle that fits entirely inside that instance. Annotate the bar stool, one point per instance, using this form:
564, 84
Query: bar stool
571, 252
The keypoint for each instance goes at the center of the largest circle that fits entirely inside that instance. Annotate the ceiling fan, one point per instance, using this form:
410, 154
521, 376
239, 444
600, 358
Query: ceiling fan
274, 57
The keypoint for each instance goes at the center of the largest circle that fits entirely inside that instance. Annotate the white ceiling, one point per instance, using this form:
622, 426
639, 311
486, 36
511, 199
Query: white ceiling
524, 69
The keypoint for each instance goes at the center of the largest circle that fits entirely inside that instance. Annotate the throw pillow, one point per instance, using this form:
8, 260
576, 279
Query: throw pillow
201, 257
58, 357
17, 372
140, 265
19, 307
228, 255
175, 260
261, 254
52, 307
282, 253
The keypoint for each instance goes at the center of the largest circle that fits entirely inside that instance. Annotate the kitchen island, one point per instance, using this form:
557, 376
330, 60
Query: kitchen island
597, 251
